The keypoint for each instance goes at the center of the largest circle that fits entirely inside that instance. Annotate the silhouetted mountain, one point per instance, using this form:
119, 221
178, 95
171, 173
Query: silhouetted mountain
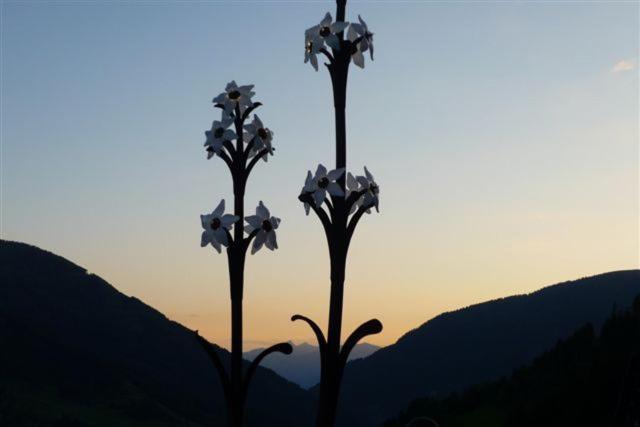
476, 344
76, 352
585, 380
303, 365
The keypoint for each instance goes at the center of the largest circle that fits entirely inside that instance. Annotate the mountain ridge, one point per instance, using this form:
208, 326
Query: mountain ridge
593, 384
91, 349
445, 353
476, 344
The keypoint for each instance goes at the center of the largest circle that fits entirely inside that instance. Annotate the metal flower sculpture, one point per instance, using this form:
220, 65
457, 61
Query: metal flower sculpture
338, 199
240, 148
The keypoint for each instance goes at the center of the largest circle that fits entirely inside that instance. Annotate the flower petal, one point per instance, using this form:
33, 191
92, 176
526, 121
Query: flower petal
226, 119
254, 220
326, 21
352, 34
309, 33
258, 241
364, 24
369, 176
352, 184
221, 236
358, 28
246, 90
271, 241
205, 220
228, 220
309, 183
262, 210
364, 45
338, 26
358, 58
219, 210
321, 171
334, 189
204, 239
275, 222
335, 174
333, 41
319, 196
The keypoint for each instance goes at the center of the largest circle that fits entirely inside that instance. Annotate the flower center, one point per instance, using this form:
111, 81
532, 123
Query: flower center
325, 31
323, 182
234, 95
218, 133
266, 225
262, 133
215, 223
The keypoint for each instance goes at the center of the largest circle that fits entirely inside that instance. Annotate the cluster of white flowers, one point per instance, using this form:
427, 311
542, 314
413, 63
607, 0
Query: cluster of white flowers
237, 96
217, 227
322, 182
326, 33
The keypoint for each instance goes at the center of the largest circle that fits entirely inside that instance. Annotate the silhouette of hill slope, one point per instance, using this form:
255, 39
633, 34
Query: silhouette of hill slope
75, 351
303, 365
476, 344
585, 380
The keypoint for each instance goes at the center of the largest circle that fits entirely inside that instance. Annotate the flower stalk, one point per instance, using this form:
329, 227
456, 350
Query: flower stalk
240, 157
344, 208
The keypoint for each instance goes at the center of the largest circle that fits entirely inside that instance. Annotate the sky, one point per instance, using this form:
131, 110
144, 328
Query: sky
503, 135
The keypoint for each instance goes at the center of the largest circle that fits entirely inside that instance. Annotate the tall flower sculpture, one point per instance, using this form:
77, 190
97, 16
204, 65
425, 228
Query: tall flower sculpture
338, 198
240, 148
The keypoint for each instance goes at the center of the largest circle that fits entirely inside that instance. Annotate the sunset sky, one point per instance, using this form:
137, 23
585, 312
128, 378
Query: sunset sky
504, 137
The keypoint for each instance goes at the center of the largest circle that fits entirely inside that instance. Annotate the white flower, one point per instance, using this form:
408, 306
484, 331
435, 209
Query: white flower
263, 137
218, 134
266, 224
353, 186
367, 182
216, 226
235, 95
326, 31
366, 43
312, 46
321, 183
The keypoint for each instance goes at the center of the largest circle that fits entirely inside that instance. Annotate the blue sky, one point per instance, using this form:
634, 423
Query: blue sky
503, 136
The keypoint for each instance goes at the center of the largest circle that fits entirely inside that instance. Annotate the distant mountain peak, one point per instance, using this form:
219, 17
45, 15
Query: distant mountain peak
303, 365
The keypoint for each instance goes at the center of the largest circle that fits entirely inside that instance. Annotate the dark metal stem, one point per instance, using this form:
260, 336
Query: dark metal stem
338, 235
